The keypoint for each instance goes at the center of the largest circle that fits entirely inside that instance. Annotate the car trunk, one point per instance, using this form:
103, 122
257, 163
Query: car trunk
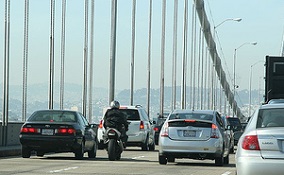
271, 142
185, 130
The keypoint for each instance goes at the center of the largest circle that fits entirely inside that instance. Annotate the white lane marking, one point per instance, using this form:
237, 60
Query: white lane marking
65, 169
138, 157
227, 173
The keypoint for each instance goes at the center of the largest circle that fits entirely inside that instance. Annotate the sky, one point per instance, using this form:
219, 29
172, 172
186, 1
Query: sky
262, 22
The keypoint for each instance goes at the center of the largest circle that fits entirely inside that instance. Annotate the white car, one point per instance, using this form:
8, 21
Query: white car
194, 134
140, 130
260, 149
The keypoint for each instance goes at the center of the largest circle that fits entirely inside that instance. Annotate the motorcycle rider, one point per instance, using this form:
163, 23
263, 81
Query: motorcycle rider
114, 118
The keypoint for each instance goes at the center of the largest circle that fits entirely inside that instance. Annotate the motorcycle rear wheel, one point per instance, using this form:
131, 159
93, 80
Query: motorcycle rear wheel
111, 149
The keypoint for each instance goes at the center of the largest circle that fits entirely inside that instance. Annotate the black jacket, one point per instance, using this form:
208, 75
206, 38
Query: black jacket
115, 118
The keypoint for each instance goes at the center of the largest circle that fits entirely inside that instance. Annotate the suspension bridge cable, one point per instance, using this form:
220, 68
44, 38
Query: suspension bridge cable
91, 61
62, 77
25, 60
149, 56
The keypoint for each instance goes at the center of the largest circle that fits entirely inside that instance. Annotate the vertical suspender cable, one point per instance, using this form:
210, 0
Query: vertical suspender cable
202, 74
62, 77
112, 50
25, 60
6, 74
132, 50
51, 54
84, 105
198, 71
149, 57
184, 56
174, 66
91, 61
162, 57
193, 58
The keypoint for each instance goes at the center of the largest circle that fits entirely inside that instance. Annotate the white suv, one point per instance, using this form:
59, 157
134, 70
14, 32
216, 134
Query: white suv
140, 133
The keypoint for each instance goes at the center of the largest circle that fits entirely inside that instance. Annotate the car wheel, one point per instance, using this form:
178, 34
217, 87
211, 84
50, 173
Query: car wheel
219, 161
93, 152
145, 146
232, 149
101, 145
79, 153
163, 160
152, 146
226, 160
26, 152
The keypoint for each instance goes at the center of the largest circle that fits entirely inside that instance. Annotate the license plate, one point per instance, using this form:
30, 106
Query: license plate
189, 133
47, 132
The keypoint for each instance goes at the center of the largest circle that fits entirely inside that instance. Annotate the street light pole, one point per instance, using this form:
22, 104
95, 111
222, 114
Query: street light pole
250, 79
234, 69
214, 64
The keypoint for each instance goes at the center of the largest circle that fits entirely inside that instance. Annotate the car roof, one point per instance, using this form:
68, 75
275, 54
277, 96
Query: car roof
130, 107
56, 110
272, 105
193, 111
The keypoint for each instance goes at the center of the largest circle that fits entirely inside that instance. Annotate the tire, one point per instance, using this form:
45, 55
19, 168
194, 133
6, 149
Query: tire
79, 153
145, 146
163, 160
232, 150
26, 152
93, 152
226, 160
219, 161
111, 150
152, 147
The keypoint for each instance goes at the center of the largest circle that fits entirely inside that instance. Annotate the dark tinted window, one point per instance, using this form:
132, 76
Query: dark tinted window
191, 116
53, 116
132, 114
235, 123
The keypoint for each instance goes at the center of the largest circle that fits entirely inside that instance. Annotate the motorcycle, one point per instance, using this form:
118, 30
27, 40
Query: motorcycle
114, 144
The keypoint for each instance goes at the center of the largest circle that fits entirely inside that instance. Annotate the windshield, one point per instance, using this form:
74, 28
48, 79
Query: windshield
53, 116
208, 117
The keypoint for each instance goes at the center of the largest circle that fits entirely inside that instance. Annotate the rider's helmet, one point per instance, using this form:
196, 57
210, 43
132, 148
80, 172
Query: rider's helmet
114, 104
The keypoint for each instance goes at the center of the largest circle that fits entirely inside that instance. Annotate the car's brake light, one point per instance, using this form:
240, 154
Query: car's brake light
214, 131
141, 125
65, 131
250, 142
190, 120
101, 124
156, 129
29, 130
165, 130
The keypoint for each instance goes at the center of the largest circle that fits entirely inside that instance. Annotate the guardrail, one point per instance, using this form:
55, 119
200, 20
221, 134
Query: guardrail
10, 134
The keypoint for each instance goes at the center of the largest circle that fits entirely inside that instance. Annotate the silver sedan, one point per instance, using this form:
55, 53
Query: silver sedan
198, 134
261, 147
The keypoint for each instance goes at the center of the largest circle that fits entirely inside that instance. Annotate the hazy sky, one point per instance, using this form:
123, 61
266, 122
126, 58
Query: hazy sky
262, 22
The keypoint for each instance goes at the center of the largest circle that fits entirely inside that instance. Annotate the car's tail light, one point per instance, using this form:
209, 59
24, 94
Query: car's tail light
141, 125
65, 131
156, 129
101, 124
214, 131
165, 130
250, 142
29, 130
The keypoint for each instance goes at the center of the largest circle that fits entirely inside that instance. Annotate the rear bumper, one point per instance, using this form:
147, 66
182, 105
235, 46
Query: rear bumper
208, 149
259, 166
50, 143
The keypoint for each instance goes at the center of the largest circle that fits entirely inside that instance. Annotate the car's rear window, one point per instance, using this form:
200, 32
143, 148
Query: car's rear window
191, 116
131, 114
53, 116
270, 118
